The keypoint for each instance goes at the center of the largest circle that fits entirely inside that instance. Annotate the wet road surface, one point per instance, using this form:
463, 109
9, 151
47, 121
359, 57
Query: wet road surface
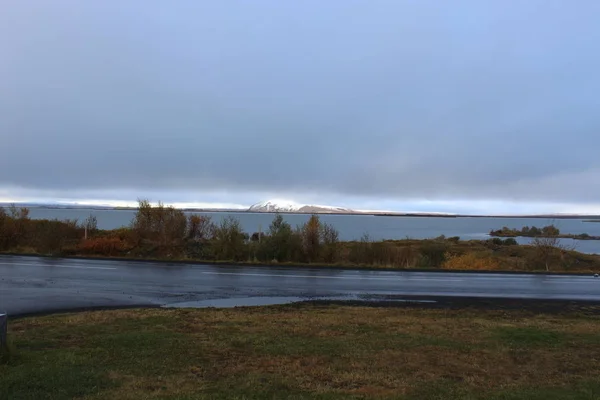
32, 285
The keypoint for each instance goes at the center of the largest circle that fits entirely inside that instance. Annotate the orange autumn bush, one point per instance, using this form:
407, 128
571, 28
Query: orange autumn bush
106, 246
470, 261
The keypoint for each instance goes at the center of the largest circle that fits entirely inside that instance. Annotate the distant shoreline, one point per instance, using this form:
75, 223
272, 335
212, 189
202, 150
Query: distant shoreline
587, 217
560, 236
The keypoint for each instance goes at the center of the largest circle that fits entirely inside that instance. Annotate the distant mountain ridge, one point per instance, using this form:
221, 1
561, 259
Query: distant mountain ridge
284, 206
273, 206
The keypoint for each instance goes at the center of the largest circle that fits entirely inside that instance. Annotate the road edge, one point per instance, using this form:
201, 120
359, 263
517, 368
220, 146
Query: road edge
295, 265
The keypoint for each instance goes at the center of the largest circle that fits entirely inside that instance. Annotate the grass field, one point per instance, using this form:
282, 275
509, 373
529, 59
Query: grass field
302, 352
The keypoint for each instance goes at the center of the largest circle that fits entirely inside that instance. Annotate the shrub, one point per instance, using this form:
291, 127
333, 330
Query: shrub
105, 246
433, 254
5, 237
330, 237
549, 251
361, 252
228, 241
470, 261
550, 230
502, 242
257, 237
162, 226
14, 227
387, 253
199, 228
51, 236
90, 225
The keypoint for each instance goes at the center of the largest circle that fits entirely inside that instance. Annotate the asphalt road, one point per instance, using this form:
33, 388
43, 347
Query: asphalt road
32, 285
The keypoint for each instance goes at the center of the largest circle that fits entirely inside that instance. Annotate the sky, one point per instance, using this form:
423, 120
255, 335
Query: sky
462, 106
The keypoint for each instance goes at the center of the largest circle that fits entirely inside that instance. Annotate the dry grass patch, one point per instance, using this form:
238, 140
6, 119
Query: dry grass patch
307, 351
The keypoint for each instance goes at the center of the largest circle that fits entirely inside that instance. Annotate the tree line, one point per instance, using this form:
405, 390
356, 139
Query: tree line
160, 231
549, 231
164, 232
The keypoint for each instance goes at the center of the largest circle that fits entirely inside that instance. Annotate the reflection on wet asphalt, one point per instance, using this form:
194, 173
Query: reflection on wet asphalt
31, 284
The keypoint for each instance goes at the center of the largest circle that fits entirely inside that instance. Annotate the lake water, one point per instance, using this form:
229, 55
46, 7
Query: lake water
352, 227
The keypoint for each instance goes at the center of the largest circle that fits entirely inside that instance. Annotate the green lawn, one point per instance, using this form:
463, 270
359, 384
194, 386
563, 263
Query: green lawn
303, 352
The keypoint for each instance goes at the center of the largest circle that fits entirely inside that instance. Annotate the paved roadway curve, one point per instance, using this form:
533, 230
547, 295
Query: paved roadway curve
30, 284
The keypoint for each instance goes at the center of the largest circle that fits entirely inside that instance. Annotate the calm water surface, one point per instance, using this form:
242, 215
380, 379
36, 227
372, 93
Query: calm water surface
352, 227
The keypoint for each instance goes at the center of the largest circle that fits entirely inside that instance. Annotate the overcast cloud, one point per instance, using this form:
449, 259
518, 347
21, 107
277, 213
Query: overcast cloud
490, 106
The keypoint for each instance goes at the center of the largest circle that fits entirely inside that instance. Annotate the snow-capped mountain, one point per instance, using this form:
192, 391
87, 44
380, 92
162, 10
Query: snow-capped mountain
272, 206
275, 206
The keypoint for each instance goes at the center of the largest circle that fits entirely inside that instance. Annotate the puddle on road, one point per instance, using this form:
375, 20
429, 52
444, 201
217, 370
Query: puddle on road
236, 302
393, 298
269, 301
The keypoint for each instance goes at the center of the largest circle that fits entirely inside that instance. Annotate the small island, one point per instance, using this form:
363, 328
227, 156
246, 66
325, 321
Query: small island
546, 231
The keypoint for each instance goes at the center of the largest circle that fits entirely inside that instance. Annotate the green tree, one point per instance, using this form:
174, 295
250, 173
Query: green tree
279, 241
282, 242
550, 230
161, 226
53, 236
229, 240
200, 228
311, 238
330, 239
